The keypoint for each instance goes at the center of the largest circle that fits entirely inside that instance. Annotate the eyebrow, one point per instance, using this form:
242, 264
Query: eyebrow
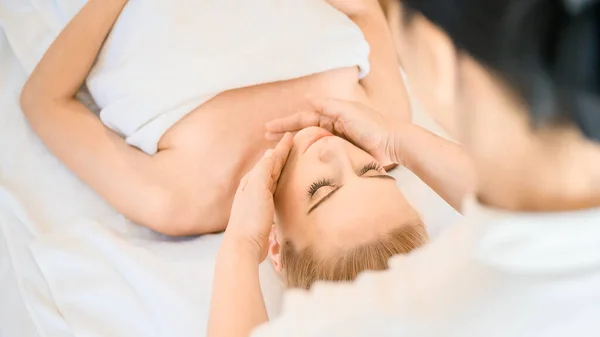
328, 196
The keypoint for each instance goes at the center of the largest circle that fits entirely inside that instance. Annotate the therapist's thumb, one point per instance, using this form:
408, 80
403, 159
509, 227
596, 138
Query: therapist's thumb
334, 108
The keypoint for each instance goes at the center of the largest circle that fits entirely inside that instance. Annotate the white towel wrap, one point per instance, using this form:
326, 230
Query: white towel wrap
165, 58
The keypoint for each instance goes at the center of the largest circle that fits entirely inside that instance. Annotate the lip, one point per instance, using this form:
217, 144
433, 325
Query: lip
313, 138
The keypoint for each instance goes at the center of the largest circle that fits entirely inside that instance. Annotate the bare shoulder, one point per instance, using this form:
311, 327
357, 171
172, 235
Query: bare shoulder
202, 184
206, 153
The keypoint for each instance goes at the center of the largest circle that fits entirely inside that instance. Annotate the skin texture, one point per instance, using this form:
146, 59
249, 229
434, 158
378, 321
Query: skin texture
352, 181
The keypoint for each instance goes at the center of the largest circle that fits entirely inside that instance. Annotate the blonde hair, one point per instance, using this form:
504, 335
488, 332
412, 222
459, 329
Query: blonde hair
305, 267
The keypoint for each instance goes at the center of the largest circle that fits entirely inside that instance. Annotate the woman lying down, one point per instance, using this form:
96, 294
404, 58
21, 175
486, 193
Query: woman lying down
185, 89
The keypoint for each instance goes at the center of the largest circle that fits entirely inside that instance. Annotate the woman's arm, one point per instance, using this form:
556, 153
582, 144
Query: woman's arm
67, 62
124, 176
384, 85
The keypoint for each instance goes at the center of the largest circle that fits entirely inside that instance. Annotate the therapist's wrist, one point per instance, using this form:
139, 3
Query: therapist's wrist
240, 246
401, 139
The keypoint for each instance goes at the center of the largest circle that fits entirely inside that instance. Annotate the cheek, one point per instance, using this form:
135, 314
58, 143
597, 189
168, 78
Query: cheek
288, 202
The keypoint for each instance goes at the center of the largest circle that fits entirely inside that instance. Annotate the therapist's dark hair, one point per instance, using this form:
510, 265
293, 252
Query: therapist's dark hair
548, 51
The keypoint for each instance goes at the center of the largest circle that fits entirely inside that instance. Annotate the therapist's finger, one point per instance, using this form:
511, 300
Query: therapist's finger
325, 112
260, 175
267, 170
276, 136
280, 156
244, 182
295, 122
335, 108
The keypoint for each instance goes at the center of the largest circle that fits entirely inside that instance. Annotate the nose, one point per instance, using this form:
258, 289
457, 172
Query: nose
334, 152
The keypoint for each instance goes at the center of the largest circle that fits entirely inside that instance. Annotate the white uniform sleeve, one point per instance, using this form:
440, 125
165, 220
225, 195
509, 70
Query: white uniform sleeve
338, 309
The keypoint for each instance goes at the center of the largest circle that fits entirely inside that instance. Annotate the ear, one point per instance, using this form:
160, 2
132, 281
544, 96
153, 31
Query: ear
274, 249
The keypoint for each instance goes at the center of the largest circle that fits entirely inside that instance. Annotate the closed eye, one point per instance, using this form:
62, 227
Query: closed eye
314, 187
370, 167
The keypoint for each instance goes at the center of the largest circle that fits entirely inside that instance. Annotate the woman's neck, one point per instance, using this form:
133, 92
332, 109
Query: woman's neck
555, 172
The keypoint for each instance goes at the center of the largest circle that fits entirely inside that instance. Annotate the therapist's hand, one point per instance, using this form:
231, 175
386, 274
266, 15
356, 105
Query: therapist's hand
253, 210
356, 122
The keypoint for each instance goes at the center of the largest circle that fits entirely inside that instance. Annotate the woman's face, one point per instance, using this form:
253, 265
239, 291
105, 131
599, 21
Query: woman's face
332, 195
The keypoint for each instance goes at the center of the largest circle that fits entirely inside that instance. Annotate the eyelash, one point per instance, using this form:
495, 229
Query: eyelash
326, 182
318, 184
371, 166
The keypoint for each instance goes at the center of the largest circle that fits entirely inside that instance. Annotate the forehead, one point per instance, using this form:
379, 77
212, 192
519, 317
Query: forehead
358, 213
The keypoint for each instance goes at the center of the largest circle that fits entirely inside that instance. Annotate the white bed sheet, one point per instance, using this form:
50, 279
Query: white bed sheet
71, 266
19, 278
43, 205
